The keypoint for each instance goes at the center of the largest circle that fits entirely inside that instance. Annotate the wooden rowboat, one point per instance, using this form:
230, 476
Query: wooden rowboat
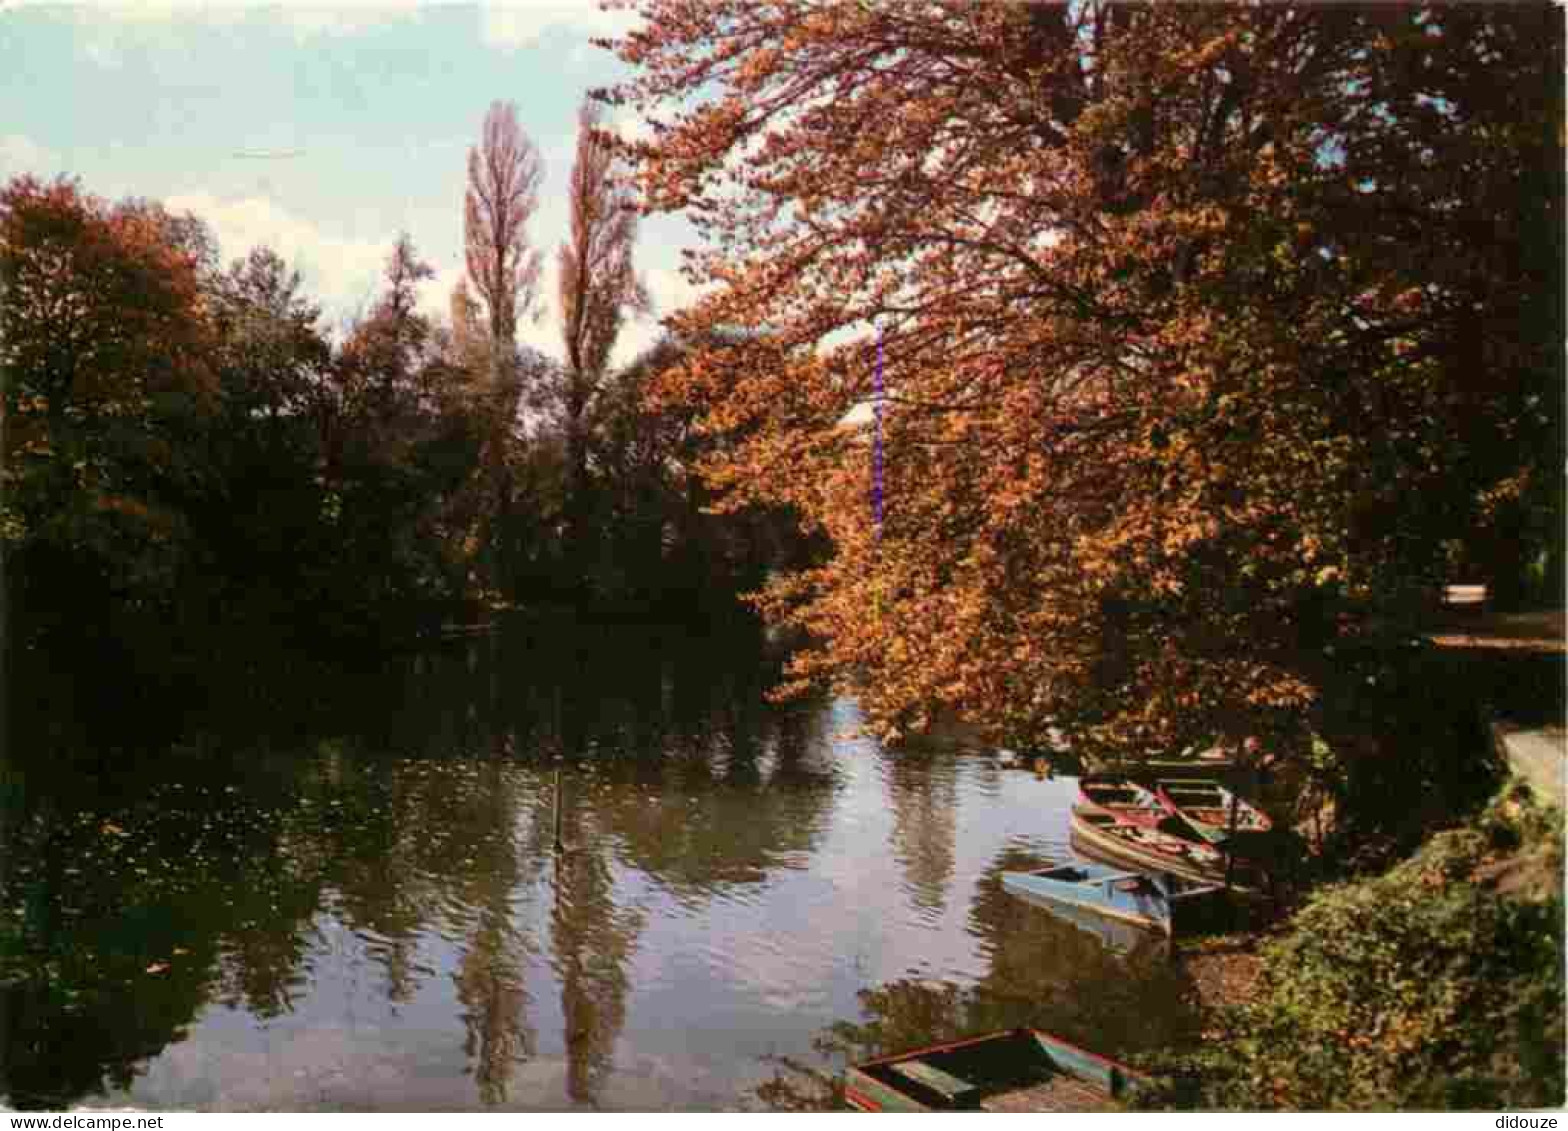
1121, 798
1162, 903
1118, 936
1210, 808
1161, 849
1014, 1070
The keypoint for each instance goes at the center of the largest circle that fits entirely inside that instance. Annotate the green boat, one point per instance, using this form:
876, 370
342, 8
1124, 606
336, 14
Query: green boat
1216, 812
1016, 1070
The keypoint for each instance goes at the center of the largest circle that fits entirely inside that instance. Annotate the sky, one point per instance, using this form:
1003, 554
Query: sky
369, 112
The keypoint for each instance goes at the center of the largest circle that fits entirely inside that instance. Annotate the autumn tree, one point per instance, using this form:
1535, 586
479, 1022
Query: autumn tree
261, 517
470, 342
504, 174
1205, 327
105, 359
397, 455
667, 545
598, 287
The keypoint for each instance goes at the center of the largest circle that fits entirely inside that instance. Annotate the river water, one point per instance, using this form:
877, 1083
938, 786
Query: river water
347, 894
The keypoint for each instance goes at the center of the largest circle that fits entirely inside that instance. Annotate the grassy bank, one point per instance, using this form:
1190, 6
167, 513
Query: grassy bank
1435, 985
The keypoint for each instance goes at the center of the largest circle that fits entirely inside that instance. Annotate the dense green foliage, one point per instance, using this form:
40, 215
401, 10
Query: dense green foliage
192, 459
1436, 985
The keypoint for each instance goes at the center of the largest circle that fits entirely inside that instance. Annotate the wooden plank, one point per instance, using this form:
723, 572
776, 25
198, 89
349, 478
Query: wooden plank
1465, 596
869, 1094
933, 1077
1060, 1093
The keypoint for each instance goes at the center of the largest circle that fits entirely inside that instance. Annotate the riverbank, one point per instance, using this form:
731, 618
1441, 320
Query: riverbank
1223, 970
1435, 985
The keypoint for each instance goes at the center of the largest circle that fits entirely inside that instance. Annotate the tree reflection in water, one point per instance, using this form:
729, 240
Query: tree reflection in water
731, 794
305, 828
923, 793
593, 942
491, 976
1037, 971
128, 904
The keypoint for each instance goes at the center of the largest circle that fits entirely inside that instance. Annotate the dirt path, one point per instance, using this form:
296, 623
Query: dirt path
1224, 970
1545, 631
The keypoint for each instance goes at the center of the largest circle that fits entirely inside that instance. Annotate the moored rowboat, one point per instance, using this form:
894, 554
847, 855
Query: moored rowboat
1159, 849
1210, 808
1163, 902
1121, 798
1013, 1070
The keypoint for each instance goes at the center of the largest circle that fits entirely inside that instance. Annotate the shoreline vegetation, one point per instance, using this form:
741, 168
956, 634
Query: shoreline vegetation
1437, 985
1429, 980
1416, 960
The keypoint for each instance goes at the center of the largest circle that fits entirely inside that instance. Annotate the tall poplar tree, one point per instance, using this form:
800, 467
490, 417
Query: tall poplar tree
504, 174
598, 288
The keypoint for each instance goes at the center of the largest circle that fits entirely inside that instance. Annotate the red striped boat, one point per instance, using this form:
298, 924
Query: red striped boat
1121, 798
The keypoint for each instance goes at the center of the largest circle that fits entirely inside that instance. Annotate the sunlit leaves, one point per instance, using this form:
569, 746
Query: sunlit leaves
1175, 301
107, 371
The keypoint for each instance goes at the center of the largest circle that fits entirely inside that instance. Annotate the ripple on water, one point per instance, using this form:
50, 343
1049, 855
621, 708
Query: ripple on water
736, 886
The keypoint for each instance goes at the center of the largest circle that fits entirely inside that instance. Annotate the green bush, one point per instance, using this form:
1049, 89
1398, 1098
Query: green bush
1435, 986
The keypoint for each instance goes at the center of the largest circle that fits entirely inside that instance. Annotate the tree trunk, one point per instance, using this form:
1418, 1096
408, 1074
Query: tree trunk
577, 555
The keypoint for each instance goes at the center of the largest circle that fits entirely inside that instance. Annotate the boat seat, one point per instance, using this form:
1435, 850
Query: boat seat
950, 1087
1129, 878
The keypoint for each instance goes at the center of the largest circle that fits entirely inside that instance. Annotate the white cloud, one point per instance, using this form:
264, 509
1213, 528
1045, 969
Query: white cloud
636, 336
21, 154
308, 21
339, 272
625, 122
669, 289
435, 293
558, 152
507, 27
344, 274
145, 12
103, 53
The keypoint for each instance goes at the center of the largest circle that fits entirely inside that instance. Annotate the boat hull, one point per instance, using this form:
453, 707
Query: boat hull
1102, 840
1115, 935
1012, 1070
1147, 914
1162, 905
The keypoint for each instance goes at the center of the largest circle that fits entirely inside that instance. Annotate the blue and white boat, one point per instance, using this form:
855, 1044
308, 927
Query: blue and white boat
1160, 902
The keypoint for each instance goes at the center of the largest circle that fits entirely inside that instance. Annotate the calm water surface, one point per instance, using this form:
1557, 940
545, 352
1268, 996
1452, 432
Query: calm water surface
348, 897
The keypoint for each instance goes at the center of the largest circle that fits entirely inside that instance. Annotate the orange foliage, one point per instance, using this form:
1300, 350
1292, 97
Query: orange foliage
1171, 297
106, 355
